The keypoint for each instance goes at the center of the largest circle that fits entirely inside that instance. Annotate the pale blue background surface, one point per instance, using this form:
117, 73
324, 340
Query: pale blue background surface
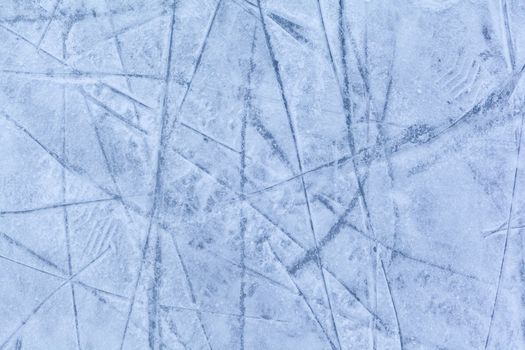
244, 174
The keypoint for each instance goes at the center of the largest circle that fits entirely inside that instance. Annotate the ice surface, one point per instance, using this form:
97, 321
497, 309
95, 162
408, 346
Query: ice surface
262, 174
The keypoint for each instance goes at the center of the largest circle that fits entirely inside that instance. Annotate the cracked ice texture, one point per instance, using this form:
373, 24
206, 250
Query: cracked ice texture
262, 174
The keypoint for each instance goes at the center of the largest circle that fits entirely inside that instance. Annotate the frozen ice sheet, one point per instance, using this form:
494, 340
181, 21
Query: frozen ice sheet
262, 174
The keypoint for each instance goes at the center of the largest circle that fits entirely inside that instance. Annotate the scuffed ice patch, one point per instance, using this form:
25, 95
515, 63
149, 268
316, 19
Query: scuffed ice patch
262, 174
